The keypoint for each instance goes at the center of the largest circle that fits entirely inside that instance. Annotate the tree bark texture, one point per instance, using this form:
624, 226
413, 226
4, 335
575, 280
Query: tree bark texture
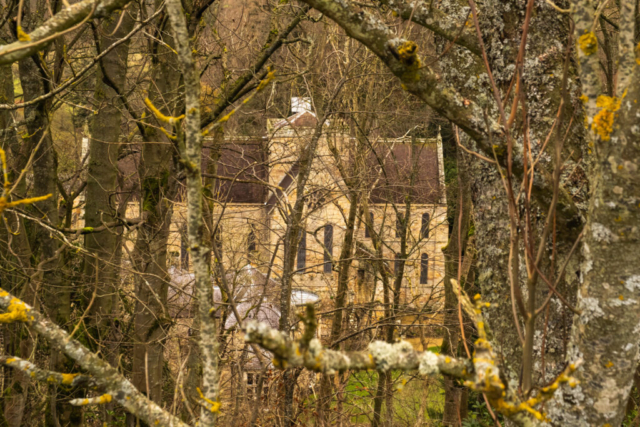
101, 200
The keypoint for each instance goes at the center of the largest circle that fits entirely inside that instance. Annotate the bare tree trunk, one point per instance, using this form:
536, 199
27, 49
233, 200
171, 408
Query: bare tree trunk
101, 200
352, 180
605, 334
379, 399
208, 339
157, 176
459, 201
102, 264
15, 262
291, 240
151, 288
56, 296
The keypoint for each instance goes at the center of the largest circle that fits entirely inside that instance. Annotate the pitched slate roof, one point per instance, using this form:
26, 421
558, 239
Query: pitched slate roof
393, 182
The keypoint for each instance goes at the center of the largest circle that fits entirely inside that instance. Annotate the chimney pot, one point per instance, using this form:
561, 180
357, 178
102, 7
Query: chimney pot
300, 104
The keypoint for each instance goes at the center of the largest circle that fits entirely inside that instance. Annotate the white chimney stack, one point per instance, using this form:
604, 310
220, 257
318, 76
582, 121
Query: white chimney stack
300, 105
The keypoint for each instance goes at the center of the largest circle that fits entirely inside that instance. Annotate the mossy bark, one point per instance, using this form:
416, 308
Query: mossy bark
101, 200
459, 200
15, 263
159, 187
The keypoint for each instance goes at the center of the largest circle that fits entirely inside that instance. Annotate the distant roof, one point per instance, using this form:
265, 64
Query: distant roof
300, 297
249, 285
399, 165
298, 120
243, 161
267, 313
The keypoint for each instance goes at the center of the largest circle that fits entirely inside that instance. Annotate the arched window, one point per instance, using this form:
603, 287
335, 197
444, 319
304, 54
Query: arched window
397, 265
424, 269
399, 224
184, 249
251, 243
302, 251
328, 244
424, 230
217, 240
366, 229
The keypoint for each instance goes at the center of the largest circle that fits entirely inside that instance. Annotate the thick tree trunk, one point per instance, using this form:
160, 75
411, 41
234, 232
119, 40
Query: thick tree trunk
100, 269
15, 261
459, 200
294, 226
157, 175
605, 334
344, 274
491, 209
151, 317
56, 295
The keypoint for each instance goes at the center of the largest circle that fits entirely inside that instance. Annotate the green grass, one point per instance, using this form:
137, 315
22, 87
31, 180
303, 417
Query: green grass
412, 396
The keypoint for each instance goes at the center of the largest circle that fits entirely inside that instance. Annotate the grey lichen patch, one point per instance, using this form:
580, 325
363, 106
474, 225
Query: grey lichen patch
388, 355
254, 330
608, 400
602, 233
621, 301
632, 283
590, 309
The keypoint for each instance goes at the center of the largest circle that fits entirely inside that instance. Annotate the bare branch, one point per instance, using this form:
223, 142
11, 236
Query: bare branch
106, 376
61, 21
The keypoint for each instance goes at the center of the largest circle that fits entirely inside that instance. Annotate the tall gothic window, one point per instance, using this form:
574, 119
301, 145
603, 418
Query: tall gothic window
184, 249
251, 243
424, 269
366, 229
328, 244
302, 251
424, 230
399, 221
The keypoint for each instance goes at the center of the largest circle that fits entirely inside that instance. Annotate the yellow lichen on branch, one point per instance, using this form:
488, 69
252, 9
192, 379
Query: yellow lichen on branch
51, 377
588, 43
17, 311
170, 136
603, 121
407, 53
100, 400
156, 112
263, 84
5, 171
4, 199
487, 379
4, 204
215, 406
67, 379
22, 36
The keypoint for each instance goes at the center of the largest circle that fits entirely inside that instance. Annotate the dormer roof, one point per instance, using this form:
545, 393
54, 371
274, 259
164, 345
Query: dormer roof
303, 119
